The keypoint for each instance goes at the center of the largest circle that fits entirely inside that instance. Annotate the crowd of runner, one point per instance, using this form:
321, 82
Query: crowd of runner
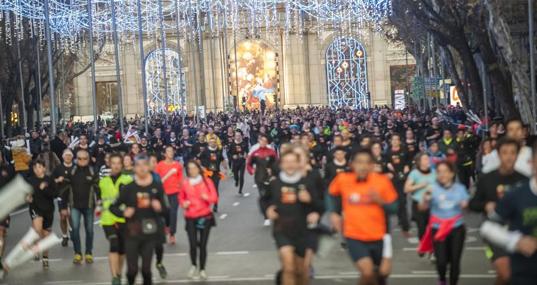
318, 171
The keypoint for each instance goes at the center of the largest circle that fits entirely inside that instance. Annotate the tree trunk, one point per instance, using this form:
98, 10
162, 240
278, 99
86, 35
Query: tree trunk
501, 34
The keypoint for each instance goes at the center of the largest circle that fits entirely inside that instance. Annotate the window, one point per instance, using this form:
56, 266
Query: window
346, 72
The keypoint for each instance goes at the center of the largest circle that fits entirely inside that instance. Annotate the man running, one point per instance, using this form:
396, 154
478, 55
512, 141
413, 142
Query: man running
59, 175
263, 157
491, 187
142, 204
360, 200
114, 227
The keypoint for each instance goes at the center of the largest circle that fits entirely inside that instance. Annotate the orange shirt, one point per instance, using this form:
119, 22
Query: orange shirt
363, 219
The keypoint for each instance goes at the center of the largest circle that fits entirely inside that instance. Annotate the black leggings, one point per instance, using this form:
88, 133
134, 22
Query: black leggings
238, 168
136, 248
159, 252
402, 212
449, 252
197, 238
421, 218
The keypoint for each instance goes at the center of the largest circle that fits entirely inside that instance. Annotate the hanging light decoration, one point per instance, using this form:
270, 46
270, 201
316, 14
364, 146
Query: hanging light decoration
69, 19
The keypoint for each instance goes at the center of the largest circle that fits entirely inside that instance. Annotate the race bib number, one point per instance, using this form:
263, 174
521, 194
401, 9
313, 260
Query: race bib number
289, 195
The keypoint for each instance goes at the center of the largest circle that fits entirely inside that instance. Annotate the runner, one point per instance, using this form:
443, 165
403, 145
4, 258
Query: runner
114, 227
289, 209
171, 174
197, 196
142, 204
237, 152
159, 247
211, 159
60, 175
263, 158
491, 187
420, 179
360, 200
446, 231
517, 208
42, 203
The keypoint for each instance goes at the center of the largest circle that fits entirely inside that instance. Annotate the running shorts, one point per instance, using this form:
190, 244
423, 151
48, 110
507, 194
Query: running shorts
361, 249
115, 234
62, 204
48, 218
299, 244
494, 252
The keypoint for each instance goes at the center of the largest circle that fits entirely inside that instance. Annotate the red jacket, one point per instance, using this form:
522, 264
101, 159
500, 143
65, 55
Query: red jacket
198, 207
446, 226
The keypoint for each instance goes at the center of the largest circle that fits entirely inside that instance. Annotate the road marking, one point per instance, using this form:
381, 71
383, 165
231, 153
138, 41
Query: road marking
413, 240
236, 204
176, 254
247, 194
19, 212
223, 216
269, 277
470, 239
232, 252
470, 248
423, 272
97, 222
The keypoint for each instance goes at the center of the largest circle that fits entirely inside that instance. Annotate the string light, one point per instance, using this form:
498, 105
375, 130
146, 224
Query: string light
69, 19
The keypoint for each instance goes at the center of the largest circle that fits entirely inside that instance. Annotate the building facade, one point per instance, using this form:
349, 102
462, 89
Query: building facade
281, 70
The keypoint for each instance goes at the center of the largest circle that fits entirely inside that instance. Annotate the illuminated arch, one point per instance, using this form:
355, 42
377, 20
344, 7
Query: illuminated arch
176, 84
346, 74
257, 77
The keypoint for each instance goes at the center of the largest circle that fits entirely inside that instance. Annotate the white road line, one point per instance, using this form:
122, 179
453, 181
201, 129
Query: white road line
236, 204
176, 254
470, 248
97, 222
247, 194
19, 211
320, 277
232, 252
223, 216
423, 272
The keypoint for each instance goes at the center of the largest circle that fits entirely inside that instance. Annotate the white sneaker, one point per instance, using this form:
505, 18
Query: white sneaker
266, 223
203, 275
192, 273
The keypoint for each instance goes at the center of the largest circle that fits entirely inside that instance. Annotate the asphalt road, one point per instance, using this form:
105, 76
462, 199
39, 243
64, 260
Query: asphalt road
241, 252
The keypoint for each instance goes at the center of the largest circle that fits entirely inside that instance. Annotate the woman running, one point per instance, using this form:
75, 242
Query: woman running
197, 197
420, 179
42, 202
446, 231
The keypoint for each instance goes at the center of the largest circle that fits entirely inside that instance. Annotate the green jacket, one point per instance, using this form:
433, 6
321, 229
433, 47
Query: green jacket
109, 193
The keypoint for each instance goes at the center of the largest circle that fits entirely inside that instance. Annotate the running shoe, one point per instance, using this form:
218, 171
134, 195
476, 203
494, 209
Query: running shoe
266, 223
89, 258
162, 271
116, 280
77, 259
203, 275
65, 241
192, 272
45, 262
